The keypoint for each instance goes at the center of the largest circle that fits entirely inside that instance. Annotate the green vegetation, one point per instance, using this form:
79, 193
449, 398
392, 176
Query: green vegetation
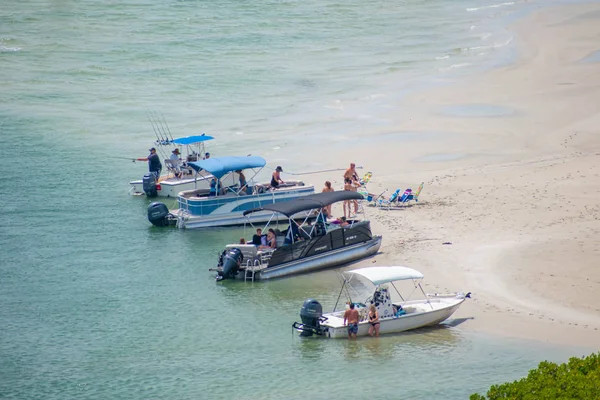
577, 379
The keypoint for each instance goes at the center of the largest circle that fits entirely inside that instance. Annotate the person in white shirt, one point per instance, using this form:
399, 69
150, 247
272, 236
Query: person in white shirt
176, 162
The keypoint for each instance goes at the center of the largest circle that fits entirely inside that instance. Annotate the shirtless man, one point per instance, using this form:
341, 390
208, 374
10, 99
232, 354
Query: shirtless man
351, 315
352, 174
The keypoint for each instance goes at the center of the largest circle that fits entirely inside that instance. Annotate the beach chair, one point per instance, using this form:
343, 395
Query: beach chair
366, 179
392, 201
408, 195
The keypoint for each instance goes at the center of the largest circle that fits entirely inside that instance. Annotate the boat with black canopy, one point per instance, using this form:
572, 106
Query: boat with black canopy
311, 241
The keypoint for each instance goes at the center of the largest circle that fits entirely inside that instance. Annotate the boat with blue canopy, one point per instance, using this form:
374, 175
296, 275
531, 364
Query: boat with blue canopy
178, 174
228, 195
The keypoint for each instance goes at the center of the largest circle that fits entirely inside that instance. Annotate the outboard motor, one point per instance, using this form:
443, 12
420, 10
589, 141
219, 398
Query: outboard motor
231, 264
158, 214
149, 185
310, 313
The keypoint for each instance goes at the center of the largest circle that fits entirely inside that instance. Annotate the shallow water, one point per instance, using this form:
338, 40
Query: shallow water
96, 303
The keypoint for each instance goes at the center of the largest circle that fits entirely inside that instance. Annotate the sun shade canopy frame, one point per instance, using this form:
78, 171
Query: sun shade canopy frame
380, 275
309, 202
219, 166
192, 139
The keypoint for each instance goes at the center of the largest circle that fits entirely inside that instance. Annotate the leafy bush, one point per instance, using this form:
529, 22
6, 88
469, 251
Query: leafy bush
577, 379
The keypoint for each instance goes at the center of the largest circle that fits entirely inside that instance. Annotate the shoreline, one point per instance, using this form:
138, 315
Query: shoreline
514, 191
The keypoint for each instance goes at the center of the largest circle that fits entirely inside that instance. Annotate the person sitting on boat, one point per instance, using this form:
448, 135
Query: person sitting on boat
341, 221
271, 241
373, 320
206, 156
154, 164
176, 162
213, 187
276, 177
257, 239
242, 241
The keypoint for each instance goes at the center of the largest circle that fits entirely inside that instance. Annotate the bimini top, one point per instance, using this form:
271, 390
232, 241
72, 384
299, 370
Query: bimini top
220, 166
379, 275
192, 139
309, 202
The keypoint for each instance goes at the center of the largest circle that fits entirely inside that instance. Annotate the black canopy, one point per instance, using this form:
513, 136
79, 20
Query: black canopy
310, 202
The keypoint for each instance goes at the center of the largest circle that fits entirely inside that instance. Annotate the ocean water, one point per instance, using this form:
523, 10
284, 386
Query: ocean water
96, 303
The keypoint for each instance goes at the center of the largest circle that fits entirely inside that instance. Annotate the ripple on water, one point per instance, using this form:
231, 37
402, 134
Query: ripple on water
477, 110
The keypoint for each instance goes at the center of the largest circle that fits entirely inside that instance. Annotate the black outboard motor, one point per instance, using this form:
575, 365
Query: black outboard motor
158, 214
231, 264
310, 313
149, 185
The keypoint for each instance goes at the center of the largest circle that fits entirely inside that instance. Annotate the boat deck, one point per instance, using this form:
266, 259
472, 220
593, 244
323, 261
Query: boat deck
336, 320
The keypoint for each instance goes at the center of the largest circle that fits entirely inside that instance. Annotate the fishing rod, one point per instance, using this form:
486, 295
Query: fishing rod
158, 139
314, 172
168, 129
125, 158
162, 129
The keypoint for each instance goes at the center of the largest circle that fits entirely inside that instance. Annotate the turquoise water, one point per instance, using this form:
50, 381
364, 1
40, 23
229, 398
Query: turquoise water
98, 304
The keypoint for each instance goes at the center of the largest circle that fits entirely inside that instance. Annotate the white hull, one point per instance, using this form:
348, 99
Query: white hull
172, 186
423, 315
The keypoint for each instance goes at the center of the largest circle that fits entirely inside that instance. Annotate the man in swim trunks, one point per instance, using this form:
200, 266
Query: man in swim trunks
351, 315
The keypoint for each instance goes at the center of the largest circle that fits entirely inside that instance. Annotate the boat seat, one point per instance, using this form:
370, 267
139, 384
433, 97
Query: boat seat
249, 251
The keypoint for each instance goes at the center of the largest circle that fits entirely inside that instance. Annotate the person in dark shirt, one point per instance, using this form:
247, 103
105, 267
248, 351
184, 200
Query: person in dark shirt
276, 178
257, 239
154, 164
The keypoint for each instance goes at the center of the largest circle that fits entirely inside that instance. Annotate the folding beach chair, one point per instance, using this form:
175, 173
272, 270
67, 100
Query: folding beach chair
388, 203
408, 195
366, 179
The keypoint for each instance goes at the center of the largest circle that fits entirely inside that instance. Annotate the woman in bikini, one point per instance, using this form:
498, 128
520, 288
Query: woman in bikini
326, 189
373, 320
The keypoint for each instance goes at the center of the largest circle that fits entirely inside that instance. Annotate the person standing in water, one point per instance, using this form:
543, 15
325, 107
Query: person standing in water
351, 316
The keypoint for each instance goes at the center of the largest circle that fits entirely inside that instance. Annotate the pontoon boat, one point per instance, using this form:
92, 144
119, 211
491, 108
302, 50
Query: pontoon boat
228, 195
304, 246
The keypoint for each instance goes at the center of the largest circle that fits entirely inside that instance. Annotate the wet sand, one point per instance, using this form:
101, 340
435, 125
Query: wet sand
511, 165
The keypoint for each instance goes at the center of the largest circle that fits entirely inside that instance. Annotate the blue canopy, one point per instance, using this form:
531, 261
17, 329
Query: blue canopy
192, 139
220, 166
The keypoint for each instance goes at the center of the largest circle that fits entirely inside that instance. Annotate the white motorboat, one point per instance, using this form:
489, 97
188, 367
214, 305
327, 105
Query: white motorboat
226, 199
303, 247
178, 176
394, 317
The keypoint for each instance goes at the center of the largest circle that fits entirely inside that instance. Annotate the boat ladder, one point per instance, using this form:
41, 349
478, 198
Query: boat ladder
251, 268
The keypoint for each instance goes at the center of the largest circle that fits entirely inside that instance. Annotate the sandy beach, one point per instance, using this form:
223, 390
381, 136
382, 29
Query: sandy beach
511, 165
